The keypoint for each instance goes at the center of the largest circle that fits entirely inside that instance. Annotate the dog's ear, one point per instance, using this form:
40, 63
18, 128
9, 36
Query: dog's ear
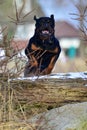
52, 16
35, 18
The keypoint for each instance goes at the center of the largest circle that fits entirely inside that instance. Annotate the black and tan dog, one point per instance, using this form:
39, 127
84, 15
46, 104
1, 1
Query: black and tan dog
43, 49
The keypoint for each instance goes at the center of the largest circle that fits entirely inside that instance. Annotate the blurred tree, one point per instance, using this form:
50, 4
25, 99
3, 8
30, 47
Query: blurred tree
9, 18
6, 9
1, 1
81, 6
81, 16
11, 14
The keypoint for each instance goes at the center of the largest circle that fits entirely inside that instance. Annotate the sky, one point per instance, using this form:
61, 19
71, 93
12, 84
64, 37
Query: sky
60, 13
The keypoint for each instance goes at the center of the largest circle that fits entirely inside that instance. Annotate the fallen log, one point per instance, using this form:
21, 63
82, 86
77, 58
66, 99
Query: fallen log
39, 94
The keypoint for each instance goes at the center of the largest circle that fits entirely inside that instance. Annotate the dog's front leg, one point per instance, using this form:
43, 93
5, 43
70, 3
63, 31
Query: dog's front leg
50, 66
33, 61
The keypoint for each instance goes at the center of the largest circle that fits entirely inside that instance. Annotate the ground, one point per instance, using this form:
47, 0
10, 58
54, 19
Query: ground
70, 65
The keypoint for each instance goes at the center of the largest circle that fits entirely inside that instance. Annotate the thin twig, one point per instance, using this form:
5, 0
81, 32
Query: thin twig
17, 16
28, 13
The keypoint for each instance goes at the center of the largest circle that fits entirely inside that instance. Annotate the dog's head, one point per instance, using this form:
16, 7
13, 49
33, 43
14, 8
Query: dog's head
44, 27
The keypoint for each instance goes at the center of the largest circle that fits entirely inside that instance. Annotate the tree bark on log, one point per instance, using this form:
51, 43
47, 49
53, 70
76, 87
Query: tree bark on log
45, 94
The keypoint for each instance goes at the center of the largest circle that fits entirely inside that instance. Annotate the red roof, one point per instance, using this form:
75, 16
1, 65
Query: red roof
65, 29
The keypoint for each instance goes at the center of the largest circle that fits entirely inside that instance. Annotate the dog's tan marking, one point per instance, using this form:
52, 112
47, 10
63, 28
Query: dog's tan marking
54, 51
33, 47
50, 67
33, 61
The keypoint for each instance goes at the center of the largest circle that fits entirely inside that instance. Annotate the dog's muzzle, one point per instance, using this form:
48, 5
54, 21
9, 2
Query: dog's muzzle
46, 33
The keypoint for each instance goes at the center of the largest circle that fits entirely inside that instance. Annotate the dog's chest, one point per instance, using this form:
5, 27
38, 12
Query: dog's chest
46, 44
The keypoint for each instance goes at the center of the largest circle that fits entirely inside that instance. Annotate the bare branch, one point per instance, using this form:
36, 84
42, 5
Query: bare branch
17, 15
28, 13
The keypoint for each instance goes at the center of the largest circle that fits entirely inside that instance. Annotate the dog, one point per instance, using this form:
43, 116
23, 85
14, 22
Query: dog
43, 48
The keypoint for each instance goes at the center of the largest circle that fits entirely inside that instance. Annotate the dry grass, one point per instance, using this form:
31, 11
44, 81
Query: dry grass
20, 100
11, 66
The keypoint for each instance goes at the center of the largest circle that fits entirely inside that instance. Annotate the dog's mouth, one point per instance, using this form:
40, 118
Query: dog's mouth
45, 32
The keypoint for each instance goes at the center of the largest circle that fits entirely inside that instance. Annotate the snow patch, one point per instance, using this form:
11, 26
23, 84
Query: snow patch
71, 75
2, 54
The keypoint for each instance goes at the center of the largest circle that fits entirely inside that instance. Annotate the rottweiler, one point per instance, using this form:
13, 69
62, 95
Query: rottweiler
43, 48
